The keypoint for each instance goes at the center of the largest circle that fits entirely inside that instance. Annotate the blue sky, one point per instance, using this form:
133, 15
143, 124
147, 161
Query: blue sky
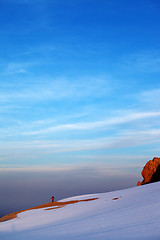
79, 84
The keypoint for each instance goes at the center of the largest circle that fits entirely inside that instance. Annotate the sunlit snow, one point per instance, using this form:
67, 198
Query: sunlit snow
126, 214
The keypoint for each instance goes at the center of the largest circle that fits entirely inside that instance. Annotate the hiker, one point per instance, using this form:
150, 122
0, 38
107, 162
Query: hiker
52, 198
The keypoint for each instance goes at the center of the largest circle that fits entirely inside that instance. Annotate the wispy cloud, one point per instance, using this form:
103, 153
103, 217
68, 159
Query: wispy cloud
148, 61
44, 148
56, 89
82, 169
150, 97
11, 68
97, 124
16, 68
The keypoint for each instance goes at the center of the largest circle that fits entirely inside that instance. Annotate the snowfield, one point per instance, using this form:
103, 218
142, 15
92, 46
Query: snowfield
121, 215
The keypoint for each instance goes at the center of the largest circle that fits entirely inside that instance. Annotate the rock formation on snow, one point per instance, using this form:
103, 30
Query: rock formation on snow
151, 171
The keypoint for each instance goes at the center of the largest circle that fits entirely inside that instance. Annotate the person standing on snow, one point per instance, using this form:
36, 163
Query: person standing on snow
52, 198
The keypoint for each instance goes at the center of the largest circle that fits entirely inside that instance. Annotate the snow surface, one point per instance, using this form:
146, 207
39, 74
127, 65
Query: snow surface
134, 215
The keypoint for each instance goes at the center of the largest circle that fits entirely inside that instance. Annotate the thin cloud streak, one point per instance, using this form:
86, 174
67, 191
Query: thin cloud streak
151, 97
36, 128
98, 169
147, 61
44, 148
55, 89
97, 124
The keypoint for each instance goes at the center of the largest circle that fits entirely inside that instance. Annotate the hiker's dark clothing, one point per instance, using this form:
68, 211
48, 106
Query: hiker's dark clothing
52, 199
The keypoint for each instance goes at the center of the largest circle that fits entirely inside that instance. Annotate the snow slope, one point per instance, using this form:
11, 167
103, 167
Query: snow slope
124, 215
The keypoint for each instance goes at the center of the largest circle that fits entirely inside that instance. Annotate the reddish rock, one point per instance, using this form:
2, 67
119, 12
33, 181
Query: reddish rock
151, 172
139, 184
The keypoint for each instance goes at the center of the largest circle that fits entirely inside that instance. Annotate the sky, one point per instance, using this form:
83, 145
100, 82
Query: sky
79, 87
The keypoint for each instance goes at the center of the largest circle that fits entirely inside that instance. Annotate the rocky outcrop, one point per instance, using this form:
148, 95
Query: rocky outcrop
151, 172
